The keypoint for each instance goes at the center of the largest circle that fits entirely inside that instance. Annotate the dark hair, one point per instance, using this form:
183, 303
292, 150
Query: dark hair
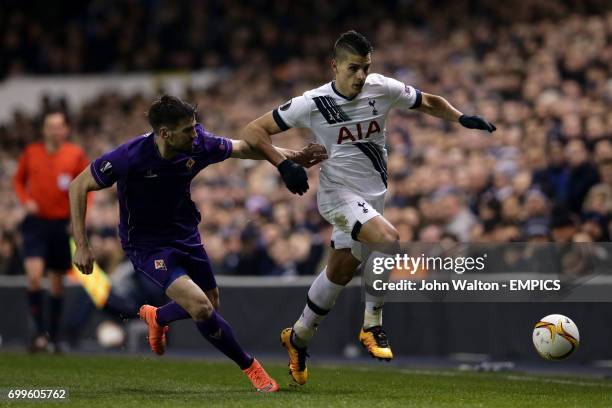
55, 111
169, 111
351, 42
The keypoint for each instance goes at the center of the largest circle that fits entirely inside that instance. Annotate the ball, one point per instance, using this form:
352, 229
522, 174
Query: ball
110, 334
555, 337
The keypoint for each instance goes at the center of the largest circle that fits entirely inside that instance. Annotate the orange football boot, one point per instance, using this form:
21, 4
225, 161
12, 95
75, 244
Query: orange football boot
157, 333
260, 379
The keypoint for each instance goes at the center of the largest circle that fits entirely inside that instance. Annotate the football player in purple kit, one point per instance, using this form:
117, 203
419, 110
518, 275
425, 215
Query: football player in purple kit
158, 224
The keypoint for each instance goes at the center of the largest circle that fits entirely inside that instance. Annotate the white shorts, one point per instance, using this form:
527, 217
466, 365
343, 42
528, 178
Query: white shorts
347, 211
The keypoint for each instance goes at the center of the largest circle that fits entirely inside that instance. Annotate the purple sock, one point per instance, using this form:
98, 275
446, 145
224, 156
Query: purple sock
170, 312
219, 333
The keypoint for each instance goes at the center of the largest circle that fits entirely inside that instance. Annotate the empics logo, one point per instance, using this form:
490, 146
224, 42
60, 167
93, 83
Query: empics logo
160, 264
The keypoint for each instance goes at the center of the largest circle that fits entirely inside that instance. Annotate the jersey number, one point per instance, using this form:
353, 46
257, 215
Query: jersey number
345, 133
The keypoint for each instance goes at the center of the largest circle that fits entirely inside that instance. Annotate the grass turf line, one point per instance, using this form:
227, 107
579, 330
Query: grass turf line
126, 381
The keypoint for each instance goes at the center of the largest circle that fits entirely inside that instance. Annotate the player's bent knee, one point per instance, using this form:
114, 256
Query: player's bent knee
214, 300
213, 296
341, 266
201, 309
340, 277
378, 231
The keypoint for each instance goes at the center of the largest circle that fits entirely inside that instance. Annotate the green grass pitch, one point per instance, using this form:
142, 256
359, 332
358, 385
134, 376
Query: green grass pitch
129, 381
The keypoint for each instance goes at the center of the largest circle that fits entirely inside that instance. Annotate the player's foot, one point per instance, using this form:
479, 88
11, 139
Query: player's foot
260, 379
375, 341
157, 333
297, 357
39, 344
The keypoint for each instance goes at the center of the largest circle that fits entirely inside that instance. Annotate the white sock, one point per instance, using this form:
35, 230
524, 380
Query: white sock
321, 298
373, 314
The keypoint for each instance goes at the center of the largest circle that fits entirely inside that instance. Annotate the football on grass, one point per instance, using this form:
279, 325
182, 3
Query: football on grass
555, 337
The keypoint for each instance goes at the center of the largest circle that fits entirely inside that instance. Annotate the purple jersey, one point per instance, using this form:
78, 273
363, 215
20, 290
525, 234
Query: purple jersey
154, 193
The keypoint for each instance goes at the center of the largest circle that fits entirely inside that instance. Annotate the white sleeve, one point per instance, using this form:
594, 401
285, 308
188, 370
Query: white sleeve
402, 95
293, 113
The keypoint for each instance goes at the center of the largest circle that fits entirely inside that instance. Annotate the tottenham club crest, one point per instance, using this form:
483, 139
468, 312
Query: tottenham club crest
372, 103
363, 207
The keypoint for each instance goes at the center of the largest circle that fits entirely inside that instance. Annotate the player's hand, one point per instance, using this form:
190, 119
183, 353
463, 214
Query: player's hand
476, 122
31, 207
83, 259
310, 155
294, 176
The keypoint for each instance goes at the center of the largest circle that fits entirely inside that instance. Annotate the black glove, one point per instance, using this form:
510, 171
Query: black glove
476, 122
294, 176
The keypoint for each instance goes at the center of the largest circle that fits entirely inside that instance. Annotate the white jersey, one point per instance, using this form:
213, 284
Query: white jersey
351, 129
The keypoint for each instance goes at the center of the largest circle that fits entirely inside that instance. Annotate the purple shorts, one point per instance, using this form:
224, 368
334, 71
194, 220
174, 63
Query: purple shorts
163, 265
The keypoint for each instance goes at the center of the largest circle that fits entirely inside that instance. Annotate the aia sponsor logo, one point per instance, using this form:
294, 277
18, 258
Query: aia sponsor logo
345, 133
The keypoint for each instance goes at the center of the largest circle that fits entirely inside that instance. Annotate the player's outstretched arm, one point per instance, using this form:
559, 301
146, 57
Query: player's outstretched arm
257, 136
308, 156
439, 107
79, 187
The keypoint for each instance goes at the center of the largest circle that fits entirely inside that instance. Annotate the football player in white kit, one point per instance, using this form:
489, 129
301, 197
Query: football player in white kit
347, 116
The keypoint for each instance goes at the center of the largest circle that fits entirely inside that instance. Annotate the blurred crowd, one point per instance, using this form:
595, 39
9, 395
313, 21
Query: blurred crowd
540, 71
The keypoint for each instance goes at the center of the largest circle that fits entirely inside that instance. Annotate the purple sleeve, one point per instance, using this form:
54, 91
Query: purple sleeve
214, 148
109, 167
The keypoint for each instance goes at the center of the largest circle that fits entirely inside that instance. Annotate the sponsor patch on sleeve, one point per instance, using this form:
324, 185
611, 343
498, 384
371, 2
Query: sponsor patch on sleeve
407, 89
106, 168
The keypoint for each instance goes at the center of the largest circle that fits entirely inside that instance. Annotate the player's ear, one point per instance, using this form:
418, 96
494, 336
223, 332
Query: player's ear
163, 132
334, 65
